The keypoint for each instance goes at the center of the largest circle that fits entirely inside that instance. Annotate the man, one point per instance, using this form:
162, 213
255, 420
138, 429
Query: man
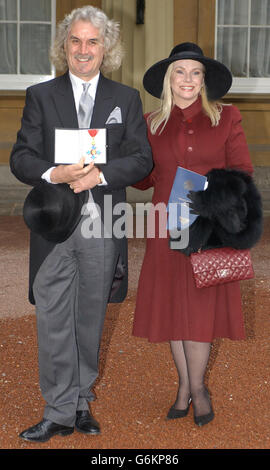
71, 280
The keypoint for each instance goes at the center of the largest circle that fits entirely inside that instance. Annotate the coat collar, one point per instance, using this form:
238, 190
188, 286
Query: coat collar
189, 112
103, 102
65, 103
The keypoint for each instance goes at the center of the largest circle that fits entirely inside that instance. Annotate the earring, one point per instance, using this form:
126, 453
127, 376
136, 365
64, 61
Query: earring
201, 89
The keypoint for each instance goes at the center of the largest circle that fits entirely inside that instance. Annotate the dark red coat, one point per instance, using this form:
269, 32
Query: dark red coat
169, 306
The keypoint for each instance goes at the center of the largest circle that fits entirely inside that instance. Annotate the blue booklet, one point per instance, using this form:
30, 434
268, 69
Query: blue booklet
185, 180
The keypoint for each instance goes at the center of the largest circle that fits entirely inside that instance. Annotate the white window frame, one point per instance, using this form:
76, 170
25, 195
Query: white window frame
22, 81
243, 84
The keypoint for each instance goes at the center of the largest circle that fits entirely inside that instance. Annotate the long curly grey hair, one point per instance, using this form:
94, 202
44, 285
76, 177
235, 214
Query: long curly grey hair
109, 30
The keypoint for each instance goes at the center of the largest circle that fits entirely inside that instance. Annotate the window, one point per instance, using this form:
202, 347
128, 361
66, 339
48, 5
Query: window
26, 31
242, 43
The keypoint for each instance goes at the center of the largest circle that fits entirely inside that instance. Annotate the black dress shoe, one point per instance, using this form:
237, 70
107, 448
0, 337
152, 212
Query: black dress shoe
44, 430
173, 413
86, 423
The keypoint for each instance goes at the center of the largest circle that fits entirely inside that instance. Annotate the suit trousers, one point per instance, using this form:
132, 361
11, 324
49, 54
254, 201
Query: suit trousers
71, 291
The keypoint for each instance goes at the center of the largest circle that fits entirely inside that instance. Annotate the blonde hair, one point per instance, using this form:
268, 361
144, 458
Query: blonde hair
161, 116
109, 30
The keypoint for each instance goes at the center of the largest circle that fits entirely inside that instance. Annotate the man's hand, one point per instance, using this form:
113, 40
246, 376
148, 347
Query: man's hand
89, 181
70, 173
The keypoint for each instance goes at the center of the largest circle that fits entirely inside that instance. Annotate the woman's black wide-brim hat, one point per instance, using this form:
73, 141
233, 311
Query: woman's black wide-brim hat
218, 78
53, 210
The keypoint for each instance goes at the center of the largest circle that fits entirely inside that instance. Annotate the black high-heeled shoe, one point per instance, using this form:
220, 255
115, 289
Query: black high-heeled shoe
205, 419
173, 413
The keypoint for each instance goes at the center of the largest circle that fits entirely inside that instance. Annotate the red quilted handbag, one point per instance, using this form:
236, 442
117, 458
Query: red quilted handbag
221, 265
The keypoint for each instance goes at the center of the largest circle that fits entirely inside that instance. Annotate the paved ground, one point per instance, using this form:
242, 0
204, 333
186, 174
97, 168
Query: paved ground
138, 380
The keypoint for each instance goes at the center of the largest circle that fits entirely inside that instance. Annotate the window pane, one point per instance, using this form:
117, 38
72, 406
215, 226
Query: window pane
8, 9
36, 10
260, 52
8, 54
260, 12
233, 12
35, 45
232, 49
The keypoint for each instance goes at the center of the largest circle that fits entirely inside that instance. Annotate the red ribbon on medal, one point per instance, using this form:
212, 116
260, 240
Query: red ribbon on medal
92, 132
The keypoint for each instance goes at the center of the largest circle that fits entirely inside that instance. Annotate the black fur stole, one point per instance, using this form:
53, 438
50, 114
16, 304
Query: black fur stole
229, 212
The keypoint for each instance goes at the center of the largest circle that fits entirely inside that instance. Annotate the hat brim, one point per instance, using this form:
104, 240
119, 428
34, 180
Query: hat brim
53, 211
218, 78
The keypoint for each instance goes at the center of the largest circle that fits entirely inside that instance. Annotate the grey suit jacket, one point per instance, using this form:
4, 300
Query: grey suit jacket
51, 105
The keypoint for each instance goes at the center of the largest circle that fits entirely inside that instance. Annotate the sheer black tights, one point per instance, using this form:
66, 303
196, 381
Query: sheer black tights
191, 358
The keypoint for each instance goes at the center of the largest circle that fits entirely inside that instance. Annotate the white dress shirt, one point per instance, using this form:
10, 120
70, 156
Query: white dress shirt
77, 88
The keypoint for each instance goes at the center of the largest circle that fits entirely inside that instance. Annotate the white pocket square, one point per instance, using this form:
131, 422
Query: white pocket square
115, 116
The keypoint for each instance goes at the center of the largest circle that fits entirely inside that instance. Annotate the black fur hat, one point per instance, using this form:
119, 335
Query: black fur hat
53, 210
218, 78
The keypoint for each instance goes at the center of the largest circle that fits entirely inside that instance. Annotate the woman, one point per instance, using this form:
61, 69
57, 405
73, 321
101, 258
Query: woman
191, 129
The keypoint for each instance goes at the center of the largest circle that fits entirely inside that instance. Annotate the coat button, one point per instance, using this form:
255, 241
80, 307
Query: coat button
190, 149
190, 131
